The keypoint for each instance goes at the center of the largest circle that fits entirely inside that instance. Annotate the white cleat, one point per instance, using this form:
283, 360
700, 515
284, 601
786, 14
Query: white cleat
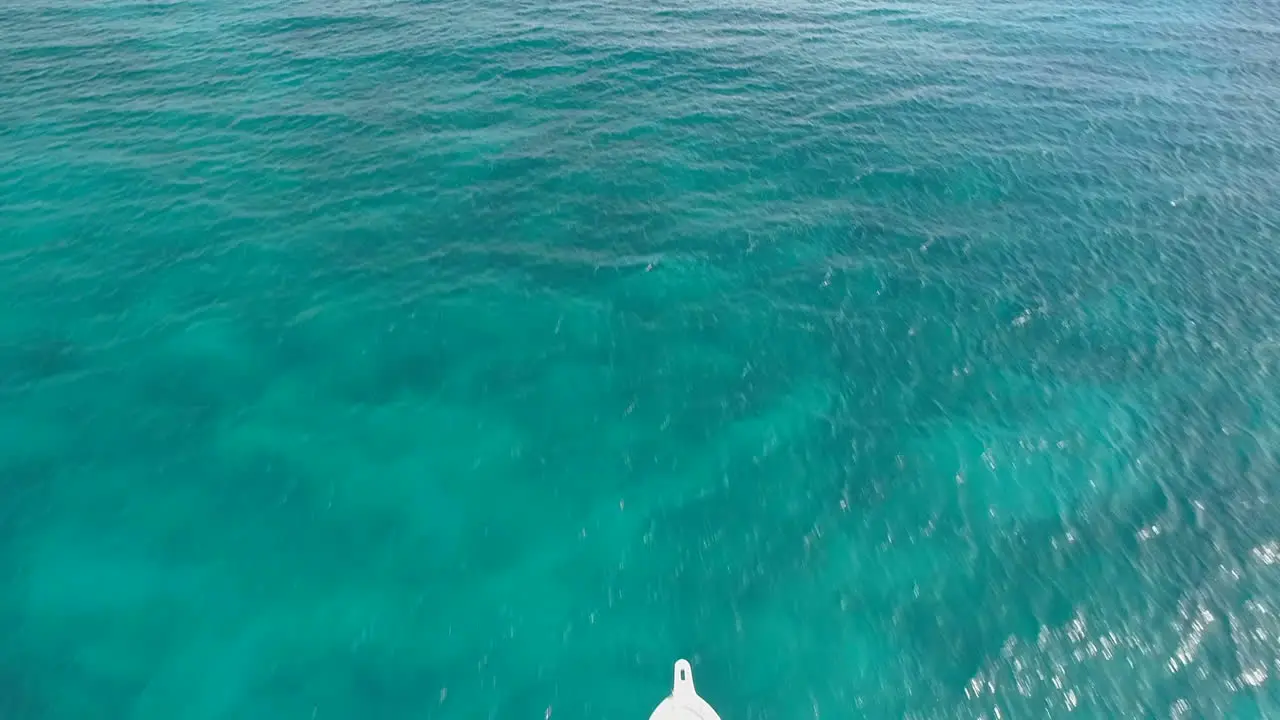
683, 703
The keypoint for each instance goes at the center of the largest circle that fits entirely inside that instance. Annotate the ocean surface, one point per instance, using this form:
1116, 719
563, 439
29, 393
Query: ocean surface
478, 359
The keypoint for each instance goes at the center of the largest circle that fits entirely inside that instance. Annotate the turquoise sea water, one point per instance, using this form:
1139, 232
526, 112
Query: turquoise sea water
386, 359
